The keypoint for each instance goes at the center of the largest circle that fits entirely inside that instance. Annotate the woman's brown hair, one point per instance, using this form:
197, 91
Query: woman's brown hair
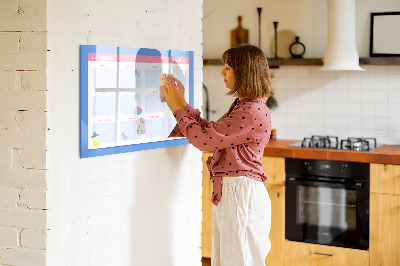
250, 66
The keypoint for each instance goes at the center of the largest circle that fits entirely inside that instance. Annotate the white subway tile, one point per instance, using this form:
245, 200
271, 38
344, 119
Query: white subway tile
394, 136
394, 123
380, 84
367, 110
381, 110
394, 110
367, 96
381, 97
382, 136
394, 97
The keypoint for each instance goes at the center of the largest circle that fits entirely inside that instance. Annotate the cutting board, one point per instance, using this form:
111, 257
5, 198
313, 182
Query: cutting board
239, 35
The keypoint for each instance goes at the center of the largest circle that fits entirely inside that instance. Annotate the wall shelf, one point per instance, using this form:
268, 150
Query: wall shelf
274, 63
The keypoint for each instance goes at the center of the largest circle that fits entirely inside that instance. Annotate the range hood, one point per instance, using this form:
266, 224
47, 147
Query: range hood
341, 51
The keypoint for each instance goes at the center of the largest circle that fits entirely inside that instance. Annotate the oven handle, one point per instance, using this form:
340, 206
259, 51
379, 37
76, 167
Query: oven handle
357, 185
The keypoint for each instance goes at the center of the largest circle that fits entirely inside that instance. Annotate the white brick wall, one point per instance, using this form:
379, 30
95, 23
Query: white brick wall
22, 132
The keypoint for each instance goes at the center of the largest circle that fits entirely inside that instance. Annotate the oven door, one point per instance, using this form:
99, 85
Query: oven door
327, 213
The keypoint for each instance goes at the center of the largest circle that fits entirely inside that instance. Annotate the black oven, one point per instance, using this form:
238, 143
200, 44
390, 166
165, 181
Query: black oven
327, 202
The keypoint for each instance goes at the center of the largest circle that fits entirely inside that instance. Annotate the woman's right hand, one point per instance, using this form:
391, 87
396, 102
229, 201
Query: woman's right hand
181, 91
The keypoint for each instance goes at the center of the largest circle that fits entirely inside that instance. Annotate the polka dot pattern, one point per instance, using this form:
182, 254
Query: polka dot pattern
238, 139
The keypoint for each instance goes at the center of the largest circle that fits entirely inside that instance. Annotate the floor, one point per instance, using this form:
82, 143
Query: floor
206, 261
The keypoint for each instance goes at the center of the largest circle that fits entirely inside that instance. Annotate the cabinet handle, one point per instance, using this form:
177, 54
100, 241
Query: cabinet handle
324, 254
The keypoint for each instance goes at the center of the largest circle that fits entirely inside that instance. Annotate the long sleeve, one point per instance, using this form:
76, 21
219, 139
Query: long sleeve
193, 113
231, 130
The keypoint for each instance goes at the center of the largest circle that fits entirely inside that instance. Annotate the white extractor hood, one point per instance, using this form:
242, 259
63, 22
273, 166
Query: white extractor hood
341, 51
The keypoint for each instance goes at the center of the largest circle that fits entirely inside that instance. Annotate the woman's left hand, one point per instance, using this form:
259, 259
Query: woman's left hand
171, 96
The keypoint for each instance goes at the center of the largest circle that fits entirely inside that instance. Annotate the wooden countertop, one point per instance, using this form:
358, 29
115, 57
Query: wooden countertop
389, 154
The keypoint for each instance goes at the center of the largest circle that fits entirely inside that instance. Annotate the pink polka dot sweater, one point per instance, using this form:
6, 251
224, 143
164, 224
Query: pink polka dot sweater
238, 139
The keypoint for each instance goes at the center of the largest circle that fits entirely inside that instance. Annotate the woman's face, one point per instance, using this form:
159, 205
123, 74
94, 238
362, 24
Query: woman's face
229, 76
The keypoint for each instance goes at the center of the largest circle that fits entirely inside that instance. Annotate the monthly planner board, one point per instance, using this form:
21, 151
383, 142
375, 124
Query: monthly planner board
121, 109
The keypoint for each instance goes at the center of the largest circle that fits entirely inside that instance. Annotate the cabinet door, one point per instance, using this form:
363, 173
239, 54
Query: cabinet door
206, 225
274, 168
384, 230
277, 233
304, 254
385, 178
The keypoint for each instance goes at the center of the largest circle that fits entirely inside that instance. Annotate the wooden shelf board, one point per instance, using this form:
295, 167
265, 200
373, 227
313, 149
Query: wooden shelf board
275, 62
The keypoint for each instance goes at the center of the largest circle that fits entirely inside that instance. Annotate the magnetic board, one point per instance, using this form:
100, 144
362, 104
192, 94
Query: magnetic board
120, 106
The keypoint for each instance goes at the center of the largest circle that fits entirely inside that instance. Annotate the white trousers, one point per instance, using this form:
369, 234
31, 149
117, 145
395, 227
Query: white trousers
241, 223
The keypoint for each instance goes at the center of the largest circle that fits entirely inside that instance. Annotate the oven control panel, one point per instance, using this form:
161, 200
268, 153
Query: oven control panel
338, 169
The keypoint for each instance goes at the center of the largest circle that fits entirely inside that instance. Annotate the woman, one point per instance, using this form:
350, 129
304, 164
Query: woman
242, 211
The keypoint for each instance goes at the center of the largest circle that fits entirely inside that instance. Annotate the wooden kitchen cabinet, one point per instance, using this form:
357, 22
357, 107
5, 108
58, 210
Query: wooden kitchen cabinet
385, 178
274, 168
385, 215
305, 254
206, 225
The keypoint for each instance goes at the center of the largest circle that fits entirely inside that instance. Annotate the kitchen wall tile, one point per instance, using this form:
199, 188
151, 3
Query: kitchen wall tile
355, 122
342, 96
328, 74
355, 109
381, 110
342, 109
355, 96
354, 80
367, 110
342, 133
394, 82
382, 136
380, 84
394, 137
367, 96
342, 122
317, 108
368, 122
291, 71
393, 71
303, 82
381, 71
316, 82
292, 83
381, 97
316, 72
355, 132
394, 97
304, 72
381, 123
329, 109
394, 110
367, 133
342, 80
329, 93
329, 122
394, 123
317, 131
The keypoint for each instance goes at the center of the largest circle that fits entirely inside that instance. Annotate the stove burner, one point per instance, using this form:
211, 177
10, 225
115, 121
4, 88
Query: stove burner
358, 144
328, 142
